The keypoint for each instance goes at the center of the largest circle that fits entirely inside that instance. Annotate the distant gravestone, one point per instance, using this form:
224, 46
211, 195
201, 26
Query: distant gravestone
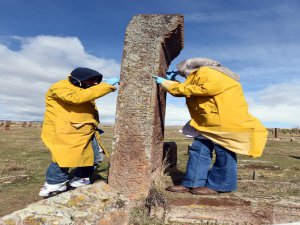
6, 125
276, 132
151, 43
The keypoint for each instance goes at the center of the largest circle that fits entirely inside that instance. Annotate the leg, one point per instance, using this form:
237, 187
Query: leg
200, 156
83, 174
223, 175
98, 152
56, 174
56, 179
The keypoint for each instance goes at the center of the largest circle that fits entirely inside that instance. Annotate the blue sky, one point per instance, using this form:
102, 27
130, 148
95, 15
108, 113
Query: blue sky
41, 41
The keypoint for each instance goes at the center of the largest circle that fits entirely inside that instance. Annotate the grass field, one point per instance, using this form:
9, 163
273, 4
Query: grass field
24, 159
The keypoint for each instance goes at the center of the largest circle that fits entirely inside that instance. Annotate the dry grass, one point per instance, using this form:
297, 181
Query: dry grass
24, 160
23, 163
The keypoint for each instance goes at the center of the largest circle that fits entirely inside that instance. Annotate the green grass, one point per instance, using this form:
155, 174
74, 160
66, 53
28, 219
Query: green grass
22, 166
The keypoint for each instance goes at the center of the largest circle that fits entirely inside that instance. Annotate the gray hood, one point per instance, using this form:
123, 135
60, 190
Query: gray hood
187, 66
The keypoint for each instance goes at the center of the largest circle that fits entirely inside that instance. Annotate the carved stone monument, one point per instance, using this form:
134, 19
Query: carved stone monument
151, 43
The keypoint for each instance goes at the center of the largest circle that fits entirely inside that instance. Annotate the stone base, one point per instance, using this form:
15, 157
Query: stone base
91, 204
232, 209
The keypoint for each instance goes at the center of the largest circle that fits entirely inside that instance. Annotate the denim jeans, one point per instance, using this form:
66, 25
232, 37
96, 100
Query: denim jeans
222, 176
57, 175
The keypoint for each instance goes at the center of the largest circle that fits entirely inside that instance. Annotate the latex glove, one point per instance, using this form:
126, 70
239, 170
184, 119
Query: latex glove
170, 75
112, 81
158, 79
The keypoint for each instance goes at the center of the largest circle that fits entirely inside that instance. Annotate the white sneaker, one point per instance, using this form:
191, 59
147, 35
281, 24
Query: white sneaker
76, 182
47, 189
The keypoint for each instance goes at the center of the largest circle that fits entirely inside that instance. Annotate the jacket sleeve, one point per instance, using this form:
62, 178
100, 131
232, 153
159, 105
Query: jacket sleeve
74, 95
203, 83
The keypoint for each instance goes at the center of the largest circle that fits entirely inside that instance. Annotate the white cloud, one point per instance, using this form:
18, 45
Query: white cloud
107, 108
277, 104
27, 73
177, 114
281, 11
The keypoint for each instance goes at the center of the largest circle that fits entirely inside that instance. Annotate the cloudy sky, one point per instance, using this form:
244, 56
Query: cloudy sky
42, 41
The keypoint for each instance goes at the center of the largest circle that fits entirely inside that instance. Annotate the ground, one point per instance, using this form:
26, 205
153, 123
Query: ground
264, 181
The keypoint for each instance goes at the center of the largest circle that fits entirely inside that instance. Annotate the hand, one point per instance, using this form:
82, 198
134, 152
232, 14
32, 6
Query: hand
112, 81
170, 75
158, 79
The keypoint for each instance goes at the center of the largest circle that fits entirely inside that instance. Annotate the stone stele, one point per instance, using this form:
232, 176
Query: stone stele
151, 43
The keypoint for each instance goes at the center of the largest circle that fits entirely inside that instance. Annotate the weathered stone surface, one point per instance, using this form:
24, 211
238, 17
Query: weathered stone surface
232, 210
91, 204
151, 43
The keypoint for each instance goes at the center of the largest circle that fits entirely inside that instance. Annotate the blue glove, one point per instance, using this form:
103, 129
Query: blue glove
170, 75
112, 81
158, 79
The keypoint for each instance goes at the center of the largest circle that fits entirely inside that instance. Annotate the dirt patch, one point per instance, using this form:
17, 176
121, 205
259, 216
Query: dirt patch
230, 202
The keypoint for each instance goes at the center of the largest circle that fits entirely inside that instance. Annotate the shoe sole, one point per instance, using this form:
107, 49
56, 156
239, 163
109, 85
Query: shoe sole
76, 186
53, 193
199, 193
183, 191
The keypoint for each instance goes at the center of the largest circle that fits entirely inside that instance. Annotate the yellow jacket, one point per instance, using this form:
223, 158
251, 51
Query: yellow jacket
219, 111
70, 121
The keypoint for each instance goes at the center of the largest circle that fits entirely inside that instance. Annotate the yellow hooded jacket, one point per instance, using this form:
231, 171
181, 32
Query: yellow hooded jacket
70, 121
219, 111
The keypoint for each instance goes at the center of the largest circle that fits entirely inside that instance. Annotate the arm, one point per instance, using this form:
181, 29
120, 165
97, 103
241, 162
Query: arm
201, 83
74, 95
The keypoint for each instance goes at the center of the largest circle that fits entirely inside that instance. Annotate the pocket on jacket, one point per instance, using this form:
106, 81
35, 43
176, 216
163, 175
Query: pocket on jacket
75, 125
209, 116
80, 125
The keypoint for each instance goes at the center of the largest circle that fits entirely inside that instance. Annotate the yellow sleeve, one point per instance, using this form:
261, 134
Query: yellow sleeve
202, 83
75, 95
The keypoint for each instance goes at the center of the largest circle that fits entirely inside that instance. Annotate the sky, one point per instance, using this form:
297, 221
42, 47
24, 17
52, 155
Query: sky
41, 41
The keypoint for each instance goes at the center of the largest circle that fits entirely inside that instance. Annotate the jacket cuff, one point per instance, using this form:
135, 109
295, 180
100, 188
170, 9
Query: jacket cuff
168, 85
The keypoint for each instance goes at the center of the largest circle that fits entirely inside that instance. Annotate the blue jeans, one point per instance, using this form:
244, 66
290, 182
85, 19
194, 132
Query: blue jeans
222, 176
57, 175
